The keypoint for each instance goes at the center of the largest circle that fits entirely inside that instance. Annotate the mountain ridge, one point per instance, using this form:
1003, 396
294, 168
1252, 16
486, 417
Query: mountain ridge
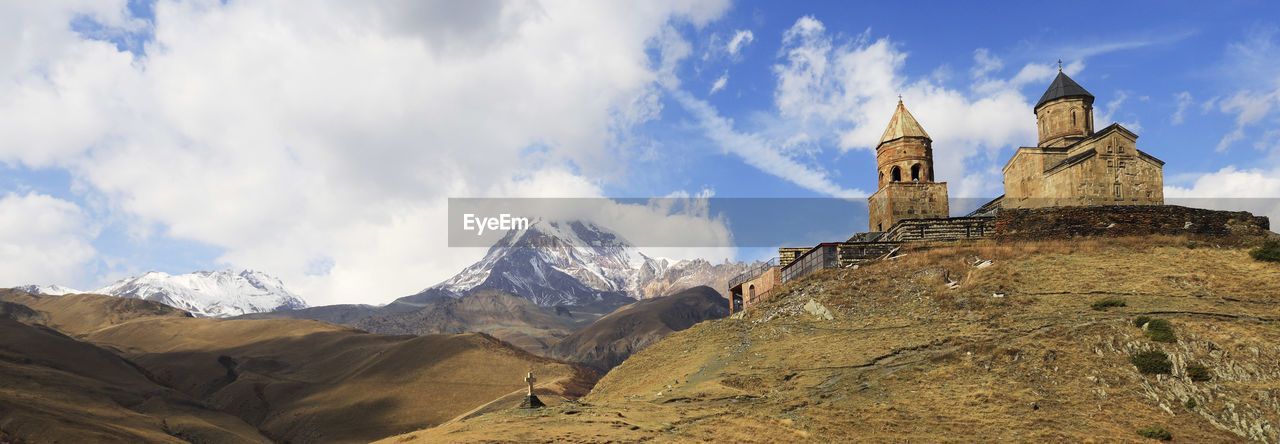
578, 263
222, 293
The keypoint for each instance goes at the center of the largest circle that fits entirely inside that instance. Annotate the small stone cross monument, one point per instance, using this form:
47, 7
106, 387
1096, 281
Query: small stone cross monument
531, 400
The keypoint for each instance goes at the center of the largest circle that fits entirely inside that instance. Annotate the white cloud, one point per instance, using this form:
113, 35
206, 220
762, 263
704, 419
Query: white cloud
719, 83
1090, 49
333, 134
1184, 100
1108, 111
849, 91
1252, 65
740, 39
43, 240
1250, 107
757, 151
985, 63
1255, 190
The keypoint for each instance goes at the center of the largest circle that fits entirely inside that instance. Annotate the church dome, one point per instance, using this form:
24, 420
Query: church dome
902, 125
1061, 87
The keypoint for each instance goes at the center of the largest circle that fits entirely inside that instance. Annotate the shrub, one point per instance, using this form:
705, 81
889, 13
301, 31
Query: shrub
1198, 372
1191, 404
1269, 252
1156, 432
1141, 320
1159, 330
1152, 362
1110, 301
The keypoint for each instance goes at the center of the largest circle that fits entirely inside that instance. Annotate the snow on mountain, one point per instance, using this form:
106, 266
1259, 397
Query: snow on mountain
51, 290
577, 263
210, 293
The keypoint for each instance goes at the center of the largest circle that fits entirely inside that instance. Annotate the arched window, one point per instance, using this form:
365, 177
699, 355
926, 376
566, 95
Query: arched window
915, 173
882, 177
895, 174
1073, 117
751, 292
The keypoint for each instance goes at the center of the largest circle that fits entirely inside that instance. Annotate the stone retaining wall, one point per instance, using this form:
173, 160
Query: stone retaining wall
853, 253
950, 229
1124, 220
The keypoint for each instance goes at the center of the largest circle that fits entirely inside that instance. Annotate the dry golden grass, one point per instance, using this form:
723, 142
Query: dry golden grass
296, 380
909, 359
56, 389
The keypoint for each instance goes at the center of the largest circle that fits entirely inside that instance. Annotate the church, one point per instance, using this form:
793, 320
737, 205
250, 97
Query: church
1072, 165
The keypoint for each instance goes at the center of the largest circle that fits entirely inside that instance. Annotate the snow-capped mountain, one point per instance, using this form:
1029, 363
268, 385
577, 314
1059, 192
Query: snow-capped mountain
577, 263
210, 293
51, 290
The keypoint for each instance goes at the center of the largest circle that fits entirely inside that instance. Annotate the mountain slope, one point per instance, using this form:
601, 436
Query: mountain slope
912, 359
553, 263
305, 381
57, 389
576, 263
495, 312
209, 293
611, 339
342, 314
81, 314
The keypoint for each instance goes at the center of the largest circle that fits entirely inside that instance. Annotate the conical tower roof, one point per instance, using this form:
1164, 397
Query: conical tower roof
1063, 86
903, 125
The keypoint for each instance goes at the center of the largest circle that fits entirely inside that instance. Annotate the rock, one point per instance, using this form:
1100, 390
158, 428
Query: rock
816, 309
532, 402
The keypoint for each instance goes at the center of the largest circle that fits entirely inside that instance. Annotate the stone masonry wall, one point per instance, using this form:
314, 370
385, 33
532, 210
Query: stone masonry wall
949, 229
898, 201
854, 252
1124, 220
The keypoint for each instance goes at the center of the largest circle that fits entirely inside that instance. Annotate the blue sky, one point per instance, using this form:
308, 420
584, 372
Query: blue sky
321, 142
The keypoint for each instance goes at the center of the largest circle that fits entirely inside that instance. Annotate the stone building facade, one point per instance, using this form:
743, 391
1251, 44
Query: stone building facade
904, 158
1073, 165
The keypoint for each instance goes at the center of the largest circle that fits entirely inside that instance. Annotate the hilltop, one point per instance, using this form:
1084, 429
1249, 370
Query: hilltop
978, 342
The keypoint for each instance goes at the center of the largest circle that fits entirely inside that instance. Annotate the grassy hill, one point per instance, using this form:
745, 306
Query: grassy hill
942, 345
56, 389
611, 339
292, 380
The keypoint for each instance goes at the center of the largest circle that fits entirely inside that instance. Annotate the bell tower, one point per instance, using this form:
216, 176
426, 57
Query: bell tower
905, 151
904, 160
1064, 115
